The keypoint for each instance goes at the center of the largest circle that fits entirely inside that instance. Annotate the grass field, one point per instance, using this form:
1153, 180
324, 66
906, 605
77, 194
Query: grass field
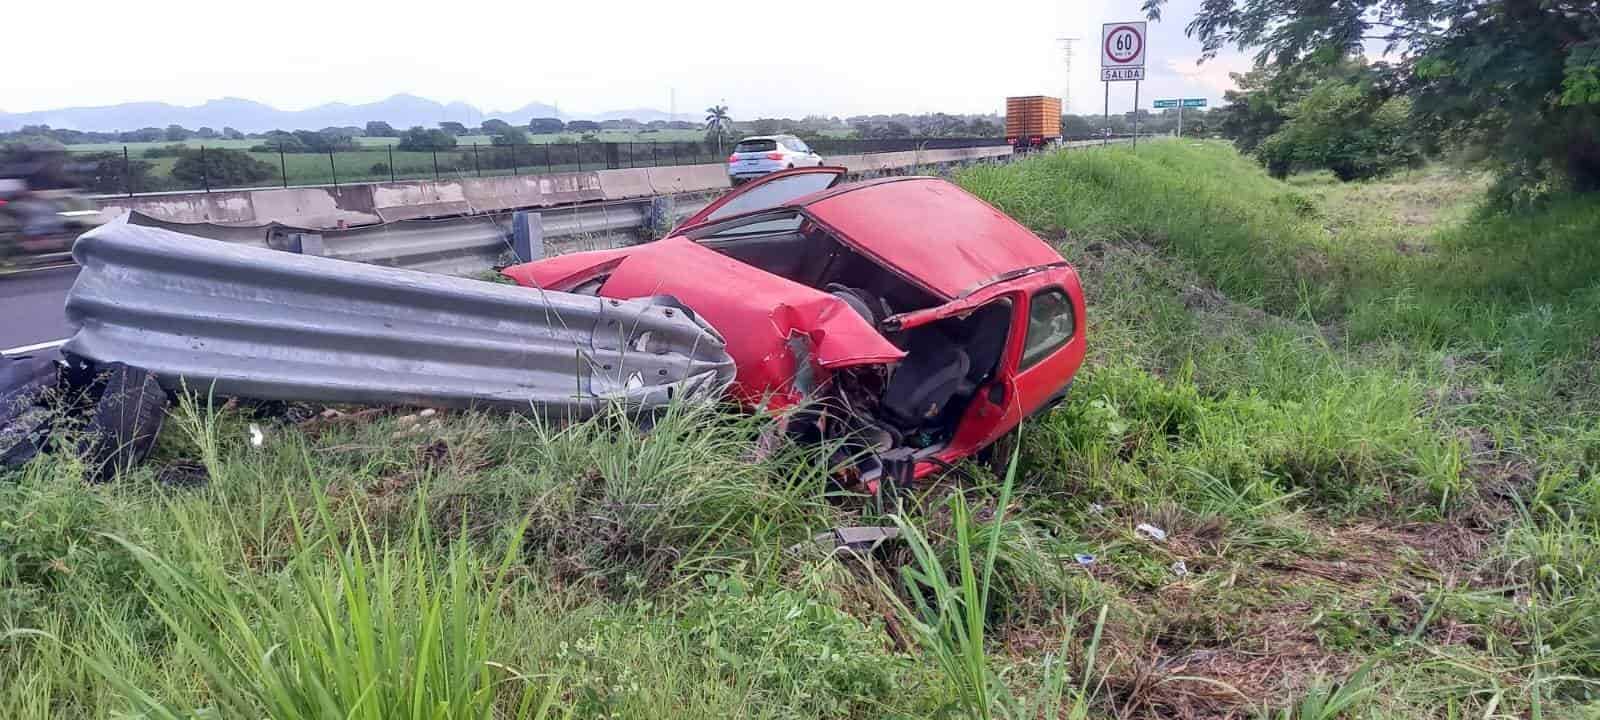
1363, 415
372, 161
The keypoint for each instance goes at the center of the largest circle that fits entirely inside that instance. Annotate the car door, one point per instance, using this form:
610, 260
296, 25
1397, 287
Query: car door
1052, 343
807, 155
765, 193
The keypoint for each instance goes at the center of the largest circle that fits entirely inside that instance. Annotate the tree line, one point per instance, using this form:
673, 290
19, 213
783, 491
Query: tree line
1513, 84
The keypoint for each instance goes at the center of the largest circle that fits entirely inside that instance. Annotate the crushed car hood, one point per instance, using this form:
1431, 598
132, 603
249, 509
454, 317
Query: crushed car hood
760, 315
930, 232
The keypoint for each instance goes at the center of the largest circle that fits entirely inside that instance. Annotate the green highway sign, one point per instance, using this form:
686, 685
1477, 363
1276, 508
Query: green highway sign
1165, 104
1194, 102
1184, 103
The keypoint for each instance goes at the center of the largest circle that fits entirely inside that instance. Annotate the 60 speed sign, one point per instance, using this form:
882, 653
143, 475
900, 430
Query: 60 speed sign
1122, 45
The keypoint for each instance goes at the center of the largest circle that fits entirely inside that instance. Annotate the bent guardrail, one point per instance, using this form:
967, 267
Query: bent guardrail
252, 322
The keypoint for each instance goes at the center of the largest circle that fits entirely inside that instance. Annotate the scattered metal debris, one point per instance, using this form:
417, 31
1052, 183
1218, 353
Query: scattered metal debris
1151, 531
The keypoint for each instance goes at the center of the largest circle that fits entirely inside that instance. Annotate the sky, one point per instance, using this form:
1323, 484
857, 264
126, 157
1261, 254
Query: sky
830, 57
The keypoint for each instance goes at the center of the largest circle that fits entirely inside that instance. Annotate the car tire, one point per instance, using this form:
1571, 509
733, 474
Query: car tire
997, 456
791, 166
124, 423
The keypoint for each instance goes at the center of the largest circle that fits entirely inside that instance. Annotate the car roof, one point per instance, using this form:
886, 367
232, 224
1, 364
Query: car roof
931, 231
768, 137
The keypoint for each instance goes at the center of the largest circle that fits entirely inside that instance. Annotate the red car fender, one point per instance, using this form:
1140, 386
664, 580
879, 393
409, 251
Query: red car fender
756, 312
565, 272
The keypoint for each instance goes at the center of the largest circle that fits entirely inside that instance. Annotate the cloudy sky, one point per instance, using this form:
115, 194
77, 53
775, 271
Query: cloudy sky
836, 57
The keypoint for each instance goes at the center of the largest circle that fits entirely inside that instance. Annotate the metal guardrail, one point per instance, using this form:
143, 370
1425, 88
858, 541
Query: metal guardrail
257, 323
452, 246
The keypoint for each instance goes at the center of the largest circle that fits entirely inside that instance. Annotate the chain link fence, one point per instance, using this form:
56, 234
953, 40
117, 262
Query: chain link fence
190, 168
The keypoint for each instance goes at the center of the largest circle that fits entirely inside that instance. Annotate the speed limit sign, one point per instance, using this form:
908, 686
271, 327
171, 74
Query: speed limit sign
1122, 45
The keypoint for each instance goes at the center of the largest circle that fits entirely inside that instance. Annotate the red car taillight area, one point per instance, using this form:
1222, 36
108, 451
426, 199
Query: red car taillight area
774, 156
733, 158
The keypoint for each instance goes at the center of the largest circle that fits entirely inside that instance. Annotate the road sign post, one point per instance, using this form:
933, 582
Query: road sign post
1179, 104
1122, 47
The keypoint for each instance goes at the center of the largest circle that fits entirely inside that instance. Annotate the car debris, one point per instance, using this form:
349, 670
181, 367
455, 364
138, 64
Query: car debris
25, 418
903, 318
112, 412
1150, 531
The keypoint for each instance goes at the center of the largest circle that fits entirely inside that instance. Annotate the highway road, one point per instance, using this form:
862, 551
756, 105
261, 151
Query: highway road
31, 307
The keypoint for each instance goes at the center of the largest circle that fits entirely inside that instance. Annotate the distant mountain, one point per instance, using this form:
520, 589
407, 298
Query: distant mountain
522, 115
401, 111
640, 114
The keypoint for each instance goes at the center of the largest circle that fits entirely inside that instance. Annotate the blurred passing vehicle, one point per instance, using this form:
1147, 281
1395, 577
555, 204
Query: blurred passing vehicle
762, 154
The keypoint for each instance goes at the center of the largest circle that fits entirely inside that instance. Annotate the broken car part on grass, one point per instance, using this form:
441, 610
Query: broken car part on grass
903, 321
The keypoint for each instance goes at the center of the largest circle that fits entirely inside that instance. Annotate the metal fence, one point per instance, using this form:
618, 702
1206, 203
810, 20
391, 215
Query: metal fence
188, 168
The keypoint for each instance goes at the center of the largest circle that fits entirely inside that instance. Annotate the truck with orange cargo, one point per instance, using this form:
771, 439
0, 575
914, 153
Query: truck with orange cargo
1033, 122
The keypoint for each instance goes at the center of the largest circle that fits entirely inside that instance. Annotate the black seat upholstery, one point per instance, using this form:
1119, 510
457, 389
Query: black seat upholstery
933, 371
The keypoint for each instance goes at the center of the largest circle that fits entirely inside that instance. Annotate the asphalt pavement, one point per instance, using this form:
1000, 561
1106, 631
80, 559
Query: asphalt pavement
32, 307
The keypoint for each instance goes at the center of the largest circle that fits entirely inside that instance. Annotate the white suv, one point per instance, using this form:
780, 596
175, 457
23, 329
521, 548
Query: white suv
757, 156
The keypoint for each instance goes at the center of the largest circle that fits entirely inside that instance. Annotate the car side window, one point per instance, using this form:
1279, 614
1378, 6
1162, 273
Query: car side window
1051, 324
798, 146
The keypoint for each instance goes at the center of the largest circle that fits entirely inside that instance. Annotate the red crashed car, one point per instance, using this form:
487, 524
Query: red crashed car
906, 318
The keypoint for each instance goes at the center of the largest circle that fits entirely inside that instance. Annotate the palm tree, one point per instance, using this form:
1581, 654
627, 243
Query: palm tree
717, 123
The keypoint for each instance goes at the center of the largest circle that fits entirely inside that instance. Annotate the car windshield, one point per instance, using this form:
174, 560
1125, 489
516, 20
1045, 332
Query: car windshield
773, 193
756, 146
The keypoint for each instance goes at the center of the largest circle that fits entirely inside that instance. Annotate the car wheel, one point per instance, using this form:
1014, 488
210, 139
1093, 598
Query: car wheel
997, 456
791, 166
125, 421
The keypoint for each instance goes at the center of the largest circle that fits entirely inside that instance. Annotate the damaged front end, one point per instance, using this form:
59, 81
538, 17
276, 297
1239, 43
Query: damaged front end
813, 328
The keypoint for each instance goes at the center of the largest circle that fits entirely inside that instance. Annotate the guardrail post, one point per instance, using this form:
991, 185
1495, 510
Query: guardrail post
435, 152
333, 170
127, 171
307, 243
283, 167
205, 174
514, 159
674, 153
527, 235
391, 161
547, 170
477, 171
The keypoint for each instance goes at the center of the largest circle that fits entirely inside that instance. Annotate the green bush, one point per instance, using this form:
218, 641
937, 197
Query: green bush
220, 168
1341, 126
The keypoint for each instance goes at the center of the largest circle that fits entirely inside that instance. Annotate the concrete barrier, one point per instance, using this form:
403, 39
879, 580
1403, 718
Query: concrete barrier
367, 204
688, 178
315, 207
626, 184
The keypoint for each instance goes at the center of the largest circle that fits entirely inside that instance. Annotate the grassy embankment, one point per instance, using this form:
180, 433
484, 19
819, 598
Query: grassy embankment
1364, 416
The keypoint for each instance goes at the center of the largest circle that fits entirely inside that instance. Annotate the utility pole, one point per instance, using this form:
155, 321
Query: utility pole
1066, 63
